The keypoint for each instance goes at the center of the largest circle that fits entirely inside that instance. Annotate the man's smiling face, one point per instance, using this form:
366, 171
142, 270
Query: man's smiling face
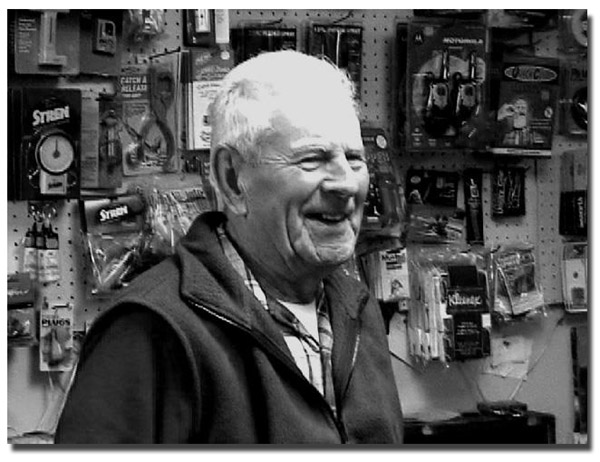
307, 190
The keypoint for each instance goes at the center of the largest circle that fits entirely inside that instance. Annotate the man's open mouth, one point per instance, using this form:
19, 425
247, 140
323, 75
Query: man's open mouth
329, 218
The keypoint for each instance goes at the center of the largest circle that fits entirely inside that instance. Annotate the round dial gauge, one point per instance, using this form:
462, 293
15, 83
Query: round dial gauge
55, 153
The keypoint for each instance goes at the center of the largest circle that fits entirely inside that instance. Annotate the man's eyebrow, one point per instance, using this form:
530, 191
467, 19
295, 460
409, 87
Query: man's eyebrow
307, 144
360, 150
316, 144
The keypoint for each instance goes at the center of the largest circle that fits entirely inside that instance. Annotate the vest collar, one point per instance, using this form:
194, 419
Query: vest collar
209, 279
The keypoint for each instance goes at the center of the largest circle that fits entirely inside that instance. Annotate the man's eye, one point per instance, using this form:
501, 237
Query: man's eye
356, 161
311, 162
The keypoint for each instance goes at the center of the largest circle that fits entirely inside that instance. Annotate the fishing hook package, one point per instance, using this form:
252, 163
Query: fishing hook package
114, 234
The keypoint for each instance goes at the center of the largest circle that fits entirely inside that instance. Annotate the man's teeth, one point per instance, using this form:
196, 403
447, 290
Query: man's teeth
332, 217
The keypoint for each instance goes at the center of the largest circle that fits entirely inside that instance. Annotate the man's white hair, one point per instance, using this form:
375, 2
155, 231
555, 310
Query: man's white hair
254, 91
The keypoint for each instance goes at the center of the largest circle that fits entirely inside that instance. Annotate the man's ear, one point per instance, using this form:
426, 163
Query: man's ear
227, 165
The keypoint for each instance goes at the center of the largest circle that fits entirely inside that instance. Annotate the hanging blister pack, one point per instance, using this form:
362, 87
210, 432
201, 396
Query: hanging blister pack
527, 94
170, 214
56, 337
114, 230
144, 25
387, 274
30, 253
432, 199
473, 204
517, 293
508, 191
575, 276
21, 315
446, 85
146, 116
449, 313
342, 44
574, 186
48, 254
205, 70
249, 40
384, 206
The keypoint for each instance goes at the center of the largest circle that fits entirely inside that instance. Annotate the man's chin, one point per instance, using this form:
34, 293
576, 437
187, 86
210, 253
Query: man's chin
330, 257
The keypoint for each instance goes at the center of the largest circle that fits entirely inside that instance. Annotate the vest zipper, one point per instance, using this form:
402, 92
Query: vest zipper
284, 359
352, 362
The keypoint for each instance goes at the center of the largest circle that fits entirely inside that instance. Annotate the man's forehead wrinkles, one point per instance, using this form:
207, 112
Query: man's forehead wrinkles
308, 141
317, 142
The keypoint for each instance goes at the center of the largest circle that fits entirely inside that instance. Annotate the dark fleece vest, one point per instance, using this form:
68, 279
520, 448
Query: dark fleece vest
188, 355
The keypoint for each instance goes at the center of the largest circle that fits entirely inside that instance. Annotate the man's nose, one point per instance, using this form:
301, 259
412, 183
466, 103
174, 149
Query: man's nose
341, 179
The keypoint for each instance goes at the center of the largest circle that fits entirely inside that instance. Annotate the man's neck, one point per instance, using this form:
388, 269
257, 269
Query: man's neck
282, 283
302, 290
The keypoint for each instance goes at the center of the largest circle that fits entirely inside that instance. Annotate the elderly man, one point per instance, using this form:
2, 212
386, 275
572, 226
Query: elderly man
253, 333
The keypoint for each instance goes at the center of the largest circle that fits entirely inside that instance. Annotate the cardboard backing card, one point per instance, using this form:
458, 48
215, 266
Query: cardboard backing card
44, 44
527, 104
48, 163
207, 68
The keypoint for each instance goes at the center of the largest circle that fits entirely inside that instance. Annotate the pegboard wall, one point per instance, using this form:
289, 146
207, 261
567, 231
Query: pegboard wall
378, 108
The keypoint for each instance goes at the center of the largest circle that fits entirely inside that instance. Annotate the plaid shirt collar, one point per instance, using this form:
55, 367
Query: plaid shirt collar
277, 310
323, 345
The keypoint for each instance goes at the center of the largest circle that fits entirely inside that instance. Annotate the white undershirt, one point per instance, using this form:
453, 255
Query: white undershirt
306, 313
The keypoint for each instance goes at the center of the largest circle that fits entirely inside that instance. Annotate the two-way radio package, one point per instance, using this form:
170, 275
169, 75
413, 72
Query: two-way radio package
447, 72
44, 143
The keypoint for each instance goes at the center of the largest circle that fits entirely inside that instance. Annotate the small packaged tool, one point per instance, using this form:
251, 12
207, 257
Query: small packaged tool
575, 276
508, 191
342, 44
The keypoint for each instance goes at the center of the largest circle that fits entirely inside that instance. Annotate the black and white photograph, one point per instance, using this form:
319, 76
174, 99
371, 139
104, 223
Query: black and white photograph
301, 228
